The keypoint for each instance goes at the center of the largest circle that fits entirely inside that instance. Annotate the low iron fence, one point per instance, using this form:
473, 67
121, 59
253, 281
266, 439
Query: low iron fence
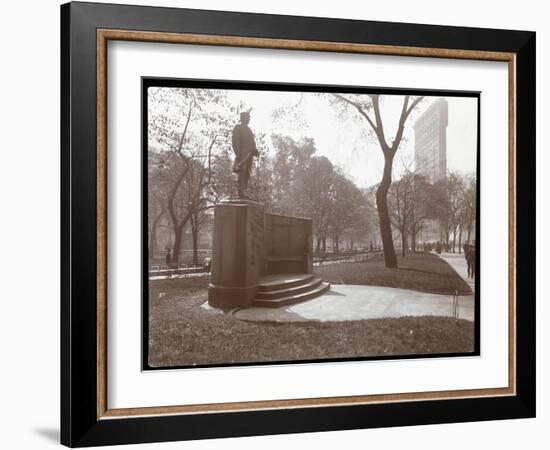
333, 258
319, 259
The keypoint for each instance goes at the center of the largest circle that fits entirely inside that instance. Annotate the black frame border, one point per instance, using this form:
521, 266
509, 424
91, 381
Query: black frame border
79, 423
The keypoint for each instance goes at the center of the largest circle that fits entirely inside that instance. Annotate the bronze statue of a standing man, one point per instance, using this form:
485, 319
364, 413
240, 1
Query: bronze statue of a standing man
245, 149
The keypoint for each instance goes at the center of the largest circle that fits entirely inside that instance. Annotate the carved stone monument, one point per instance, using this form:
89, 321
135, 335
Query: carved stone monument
237, 253
258, 258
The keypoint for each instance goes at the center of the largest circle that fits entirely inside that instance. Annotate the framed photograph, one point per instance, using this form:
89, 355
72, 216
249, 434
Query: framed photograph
276, 224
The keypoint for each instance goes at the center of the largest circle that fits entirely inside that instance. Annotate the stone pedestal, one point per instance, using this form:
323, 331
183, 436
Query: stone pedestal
237, 253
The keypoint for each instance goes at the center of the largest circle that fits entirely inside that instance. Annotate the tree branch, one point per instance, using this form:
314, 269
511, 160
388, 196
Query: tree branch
379, 124
413, 105
405, 111
184, 133
359, 109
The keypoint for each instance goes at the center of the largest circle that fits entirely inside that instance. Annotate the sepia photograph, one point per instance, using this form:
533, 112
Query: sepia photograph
307, 223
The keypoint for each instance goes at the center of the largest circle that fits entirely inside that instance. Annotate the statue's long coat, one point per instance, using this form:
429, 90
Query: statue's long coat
243, 144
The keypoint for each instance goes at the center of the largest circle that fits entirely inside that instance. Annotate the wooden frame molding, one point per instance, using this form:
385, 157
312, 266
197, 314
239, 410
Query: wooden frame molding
103, 36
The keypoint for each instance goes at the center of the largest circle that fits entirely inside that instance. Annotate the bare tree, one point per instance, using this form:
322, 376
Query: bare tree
448, 198
186, 124
469, 205
198, 219
399, 199
367, 106
345, 203
156, 205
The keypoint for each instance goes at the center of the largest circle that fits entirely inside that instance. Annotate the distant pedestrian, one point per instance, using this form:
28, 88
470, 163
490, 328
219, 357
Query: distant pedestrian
168, 258
466, 248
471, 261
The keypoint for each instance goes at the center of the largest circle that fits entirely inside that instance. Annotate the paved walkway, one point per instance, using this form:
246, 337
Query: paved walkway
353, 302
345, 302
458, 263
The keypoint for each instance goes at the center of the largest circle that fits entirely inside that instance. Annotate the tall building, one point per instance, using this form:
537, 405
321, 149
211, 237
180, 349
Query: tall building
430, 141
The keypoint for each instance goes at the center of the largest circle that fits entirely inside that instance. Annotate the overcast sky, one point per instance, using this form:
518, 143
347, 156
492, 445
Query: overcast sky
344, 142
343, 139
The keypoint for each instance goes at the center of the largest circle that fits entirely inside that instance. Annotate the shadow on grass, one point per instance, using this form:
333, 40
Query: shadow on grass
423, 272
182, 333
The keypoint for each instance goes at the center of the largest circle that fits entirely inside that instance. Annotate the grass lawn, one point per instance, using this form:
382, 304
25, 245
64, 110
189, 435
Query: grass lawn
421, 271
183, 333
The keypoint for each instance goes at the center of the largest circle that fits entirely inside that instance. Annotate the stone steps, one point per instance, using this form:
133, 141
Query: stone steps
288, 291
272, 283
284, 290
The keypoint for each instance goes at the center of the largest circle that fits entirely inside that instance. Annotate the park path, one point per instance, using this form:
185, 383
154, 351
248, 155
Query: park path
458, 263
344, 302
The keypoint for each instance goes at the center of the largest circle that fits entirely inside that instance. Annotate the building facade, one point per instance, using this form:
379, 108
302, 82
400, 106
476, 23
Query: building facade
430, 155
430, 142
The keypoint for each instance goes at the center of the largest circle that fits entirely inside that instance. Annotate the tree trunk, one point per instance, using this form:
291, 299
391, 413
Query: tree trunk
153, 241
178, 237
390, 258
153, 245
177, 227
195, 234
403, 244
460, 239
454, 240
